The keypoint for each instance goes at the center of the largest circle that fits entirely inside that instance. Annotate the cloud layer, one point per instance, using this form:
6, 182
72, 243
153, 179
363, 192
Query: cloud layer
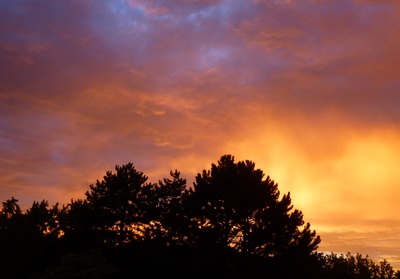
309, 91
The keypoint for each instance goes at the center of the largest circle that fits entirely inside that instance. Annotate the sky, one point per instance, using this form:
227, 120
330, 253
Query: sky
308, 90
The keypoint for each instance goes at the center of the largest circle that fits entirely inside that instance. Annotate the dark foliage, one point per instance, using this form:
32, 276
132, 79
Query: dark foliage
232, 223
118, 202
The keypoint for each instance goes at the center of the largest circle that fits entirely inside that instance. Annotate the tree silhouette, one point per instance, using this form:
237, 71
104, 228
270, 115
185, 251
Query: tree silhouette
168, 208
233, 223
276, 231
10, 209
78, 226
11, 230
354, 267
238, 208
42, 220
10, 215
117, 201
27, 240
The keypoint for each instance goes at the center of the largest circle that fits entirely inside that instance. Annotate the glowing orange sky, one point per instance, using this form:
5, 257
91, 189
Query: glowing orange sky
308, 90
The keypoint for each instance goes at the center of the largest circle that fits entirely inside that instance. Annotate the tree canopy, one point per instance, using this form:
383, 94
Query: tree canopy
117, 201
241, 207
233, 222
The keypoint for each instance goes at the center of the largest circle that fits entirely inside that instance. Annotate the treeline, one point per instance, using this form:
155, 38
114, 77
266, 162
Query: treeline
233, 223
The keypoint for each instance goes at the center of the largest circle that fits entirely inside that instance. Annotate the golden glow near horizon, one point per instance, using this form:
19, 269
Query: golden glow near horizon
308, 91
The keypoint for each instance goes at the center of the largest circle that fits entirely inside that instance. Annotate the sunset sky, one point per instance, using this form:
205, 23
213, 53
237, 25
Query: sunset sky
308, 90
